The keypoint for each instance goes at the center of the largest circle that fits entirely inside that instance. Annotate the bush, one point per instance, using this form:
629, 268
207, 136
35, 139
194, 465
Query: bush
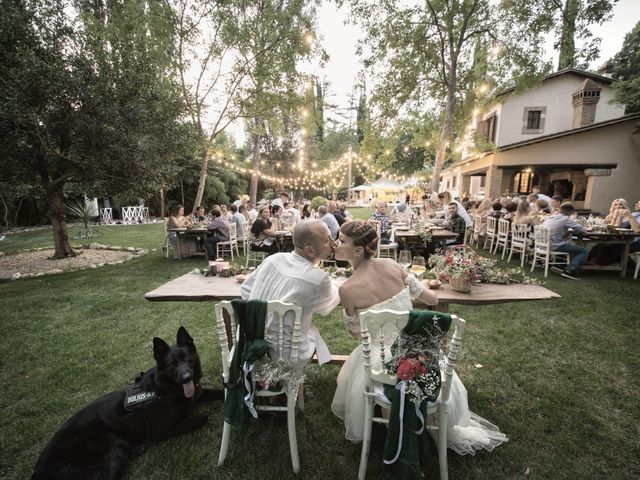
317, 201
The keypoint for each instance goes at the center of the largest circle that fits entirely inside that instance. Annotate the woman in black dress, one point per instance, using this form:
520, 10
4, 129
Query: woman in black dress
262, 239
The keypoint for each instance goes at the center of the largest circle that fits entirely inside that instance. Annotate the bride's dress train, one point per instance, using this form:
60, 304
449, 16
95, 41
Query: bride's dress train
466, 431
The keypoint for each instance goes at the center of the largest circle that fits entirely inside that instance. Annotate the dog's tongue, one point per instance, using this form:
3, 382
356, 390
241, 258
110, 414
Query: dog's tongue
189, 389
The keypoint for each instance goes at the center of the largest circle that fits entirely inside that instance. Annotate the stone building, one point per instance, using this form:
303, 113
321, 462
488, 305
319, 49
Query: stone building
566, 136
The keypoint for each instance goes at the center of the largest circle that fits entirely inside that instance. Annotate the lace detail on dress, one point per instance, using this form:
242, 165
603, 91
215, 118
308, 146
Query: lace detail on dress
415, 287
352, 322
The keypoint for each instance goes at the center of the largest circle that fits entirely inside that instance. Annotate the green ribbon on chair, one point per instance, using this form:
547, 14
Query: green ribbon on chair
250, 346
413, 453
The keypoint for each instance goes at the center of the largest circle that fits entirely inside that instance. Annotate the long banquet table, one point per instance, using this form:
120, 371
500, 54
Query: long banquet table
619, 237
192, 287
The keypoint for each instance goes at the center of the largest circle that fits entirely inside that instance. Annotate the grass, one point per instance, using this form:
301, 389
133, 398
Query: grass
559, 377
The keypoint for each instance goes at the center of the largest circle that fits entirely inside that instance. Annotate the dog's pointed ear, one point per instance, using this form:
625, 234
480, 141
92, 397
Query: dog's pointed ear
160, 348
184, 339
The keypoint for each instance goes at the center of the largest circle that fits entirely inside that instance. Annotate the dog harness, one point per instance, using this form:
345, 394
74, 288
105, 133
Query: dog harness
137, 396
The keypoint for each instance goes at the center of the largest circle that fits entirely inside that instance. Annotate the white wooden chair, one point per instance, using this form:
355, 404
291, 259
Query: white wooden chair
477, 230
520, 242
542, 250
379, 328
502, 240
228, 245
286, 348
244, 238
254, 257
491, 233
168, 246
635, 256
468, 236
389, 250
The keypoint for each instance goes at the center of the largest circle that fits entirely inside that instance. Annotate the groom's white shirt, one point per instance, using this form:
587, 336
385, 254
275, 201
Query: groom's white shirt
288, 277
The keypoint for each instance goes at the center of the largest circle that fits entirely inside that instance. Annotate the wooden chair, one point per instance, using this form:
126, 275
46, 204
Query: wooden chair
491, 234
276, 313
389, 250
502, 239
542, 250
167, 247
254, 257
228, 245
244, 239
379, 328
520, 242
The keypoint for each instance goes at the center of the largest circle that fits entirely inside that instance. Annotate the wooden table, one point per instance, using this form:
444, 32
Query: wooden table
180, 232
192, 287
405, 237
608, 238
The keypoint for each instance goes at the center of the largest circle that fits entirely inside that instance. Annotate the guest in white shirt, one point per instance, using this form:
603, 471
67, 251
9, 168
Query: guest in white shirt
252, 212
238, 219
284, 198
292, 277
329, 220
290, 216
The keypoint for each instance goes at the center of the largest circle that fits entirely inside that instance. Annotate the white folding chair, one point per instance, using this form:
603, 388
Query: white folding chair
502, 240
491, 233
635, 256
520, 242
379, 328
255, 257
244, 239
228, 245
167, 246
389, 250
542, 250
477, 229
286, 348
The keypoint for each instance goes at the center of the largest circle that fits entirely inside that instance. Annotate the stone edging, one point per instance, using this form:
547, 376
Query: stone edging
134, 251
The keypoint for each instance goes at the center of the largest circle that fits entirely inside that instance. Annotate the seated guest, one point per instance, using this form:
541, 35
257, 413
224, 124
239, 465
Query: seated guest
262, 239
333, 210
524, 216
455, 224
343, 210
218, 229
496, 211
305, 214
293, 277
380, 215
634, 223
444, 198
399, 209
543, 206
252, 212
288, 217
276, 223
428, 208
556, 201
238, 219
329, 220
559, 225
540, 196
618, 212
242, 210
510, 211
284, 198
198, 215
226, 214
178, 220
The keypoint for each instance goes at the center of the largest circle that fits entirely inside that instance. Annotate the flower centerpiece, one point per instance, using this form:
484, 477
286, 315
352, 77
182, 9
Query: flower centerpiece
424, 232
459, 266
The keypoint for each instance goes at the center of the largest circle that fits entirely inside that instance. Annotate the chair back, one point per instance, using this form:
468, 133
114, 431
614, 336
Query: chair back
492, 225
380, 328
503, 227
233, 234
477, 225
287, 339
520, 233
542, 239
378, 226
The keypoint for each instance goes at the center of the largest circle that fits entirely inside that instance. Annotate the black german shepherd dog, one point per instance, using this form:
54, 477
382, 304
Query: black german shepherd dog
96, 442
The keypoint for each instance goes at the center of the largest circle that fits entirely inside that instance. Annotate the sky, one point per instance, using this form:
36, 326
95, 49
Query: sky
340, 42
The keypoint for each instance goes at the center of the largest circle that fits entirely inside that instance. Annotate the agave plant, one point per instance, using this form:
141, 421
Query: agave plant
84, 212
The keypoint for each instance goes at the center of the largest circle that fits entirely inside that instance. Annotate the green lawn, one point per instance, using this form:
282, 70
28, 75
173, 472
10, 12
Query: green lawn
559, 377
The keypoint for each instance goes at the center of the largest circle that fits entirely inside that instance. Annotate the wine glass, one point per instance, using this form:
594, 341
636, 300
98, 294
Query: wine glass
418, 266
404, 259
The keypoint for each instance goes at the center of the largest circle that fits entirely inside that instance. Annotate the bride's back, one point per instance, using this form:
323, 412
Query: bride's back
373, 282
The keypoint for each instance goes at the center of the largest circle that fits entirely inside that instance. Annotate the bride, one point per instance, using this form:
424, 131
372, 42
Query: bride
394, 289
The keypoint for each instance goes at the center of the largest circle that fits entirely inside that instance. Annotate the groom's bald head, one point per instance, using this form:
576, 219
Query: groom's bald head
312, 240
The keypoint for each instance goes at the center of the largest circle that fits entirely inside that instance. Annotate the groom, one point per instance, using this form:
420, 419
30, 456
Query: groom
293, 277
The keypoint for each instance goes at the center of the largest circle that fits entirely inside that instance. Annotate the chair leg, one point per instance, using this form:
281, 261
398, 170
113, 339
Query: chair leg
301, 399
442, 442
546, 266
224, 446
293, 441
635, 274
366, 439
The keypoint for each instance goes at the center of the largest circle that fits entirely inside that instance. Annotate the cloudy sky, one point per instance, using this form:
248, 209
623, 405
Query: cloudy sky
339, 40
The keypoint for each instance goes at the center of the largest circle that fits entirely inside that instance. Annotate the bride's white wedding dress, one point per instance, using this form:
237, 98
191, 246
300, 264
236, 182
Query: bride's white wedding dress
466, 431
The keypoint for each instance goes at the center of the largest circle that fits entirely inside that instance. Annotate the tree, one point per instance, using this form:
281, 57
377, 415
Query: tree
424, 54
626, 71
92, 106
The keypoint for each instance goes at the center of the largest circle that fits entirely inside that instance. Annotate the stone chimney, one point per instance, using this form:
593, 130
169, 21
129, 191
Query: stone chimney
585, 101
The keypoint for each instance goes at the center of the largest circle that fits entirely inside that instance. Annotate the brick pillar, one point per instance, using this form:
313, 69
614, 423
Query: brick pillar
493, 183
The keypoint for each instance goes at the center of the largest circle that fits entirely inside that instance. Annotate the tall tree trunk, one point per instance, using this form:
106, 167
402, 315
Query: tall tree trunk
253, 189
567, 57
58, 220
203, 179
445, 135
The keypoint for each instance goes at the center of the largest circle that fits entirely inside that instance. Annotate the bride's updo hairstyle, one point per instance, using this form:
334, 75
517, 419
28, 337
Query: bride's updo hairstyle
363, 234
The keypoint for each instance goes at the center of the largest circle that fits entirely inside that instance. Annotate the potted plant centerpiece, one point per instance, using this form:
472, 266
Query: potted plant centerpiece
459, 266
